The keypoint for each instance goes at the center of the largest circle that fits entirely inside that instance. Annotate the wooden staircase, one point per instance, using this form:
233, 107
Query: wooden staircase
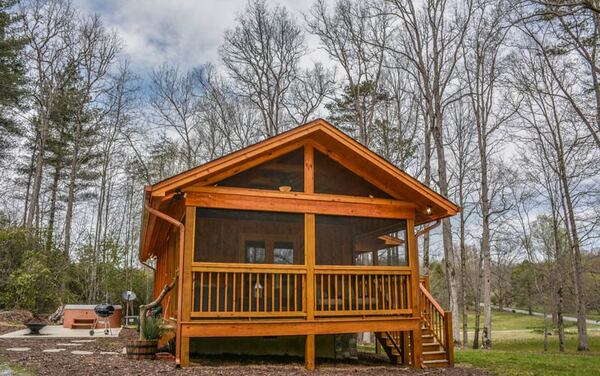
437, 344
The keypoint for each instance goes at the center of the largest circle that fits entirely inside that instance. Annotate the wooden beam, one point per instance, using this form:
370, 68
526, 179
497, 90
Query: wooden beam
186, 293
413, 263
297, 202
309, 262
225, 167
309, 352
309, 170
290, 327
449, 338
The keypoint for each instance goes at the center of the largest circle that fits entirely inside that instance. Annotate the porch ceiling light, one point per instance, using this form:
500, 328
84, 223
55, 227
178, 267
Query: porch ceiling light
428, 210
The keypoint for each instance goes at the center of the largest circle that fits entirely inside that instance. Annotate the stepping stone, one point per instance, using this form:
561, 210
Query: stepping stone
69, 344
53, 350
82, 340
77, 352
108, 353
19, 349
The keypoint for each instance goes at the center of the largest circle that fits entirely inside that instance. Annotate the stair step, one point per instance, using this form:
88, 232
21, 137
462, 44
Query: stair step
427, 339
435, 363
434, 355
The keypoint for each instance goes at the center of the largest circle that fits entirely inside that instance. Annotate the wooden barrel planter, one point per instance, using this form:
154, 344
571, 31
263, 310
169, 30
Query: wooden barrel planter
141, 349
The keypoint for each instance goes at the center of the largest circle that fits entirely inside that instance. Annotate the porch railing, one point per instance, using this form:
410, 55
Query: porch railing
237, 290
360, 290
228, 290
438, 321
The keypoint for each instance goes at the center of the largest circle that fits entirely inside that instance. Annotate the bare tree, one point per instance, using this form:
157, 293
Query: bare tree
567, 149
464, 170
48, 26
261, 55
482, 70
570, 30
428, 45
355, 35
174, 105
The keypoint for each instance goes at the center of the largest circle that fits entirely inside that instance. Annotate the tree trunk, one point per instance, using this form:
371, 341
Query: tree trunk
51, 219
559, 319
478, 305
447, 231
574, 246
39, 169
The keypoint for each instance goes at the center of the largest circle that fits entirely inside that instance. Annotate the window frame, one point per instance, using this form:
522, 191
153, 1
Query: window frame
269, 240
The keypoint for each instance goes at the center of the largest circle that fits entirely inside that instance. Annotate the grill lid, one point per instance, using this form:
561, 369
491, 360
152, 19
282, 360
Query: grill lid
104, 310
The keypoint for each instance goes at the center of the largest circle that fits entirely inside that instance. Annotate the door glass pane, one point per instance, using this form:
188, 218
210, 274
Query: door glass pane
283, 253
255, 252
364, 259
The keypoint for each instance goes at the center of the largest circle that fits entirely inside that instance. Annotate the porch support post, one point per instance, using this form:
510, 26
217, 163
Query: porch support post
413, 262
309, 256
186, 293
309, 260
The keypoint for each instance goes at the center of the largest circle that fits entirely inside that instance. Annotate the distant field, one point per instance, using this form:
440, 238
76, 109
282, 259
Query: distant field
502, 320
518, 349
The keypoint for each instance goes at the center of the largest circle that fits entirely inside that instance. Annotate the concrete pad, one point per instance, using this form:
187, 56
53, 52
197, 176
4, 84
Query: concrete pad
82, 340
18, 349
77, 352
68, 344
108, 353
57, 331
52, 350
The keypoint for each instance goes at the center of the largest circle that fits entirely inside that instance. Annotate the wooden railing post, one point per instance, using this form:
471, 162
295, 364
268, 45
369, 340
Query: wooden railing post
449, 339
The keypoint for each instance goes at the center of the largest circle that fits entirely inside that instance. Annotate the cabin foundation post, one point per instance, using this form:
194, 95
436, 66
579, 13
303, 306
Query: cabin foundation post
309, 352
405, 348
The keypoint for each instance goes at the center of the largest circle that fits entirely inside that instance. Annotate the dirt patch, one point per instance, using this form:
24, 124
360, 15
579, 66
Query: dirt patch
65, 363
15, 316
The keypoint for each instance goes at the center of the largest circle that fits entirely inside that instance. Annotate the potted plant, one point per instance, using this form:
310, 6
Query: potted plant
146, 346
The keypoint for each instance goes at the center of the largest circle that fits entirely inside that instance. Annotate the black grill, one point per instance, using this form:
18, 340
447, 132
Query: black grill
104, 310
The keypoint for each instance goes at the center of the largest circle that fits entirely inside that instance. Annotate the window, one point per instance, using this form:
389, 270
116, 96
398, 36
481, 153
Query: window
364, 259
268, 249
255, 252
283, 253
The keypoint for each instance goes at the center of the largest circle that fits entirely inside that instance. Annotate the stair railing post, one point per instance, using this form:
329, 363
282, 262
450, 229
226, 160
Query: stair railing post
448, 338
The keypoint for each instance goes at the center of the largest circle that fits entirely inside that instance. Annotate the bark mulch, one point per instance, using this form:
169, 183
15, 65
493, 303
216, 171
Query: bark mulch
65, 363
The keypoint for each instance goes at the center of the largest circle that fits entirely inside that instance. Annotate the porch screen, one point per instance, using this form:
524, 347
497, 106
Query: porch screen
243, 236
282, 173
360, 241
333, 178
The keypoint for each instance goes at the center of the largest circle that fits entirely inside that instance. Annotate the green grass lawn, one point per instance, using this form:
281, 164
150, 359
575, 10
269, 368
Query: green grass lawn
519, 350
502, 320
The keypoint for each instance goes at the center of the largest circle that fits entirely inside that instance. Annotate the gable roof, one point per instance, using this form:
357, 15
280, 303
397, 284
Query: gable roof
325, 138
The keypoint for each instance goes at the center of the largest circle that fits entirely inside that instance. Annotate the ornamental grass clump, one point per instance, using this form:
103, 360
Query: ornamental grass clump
152, 329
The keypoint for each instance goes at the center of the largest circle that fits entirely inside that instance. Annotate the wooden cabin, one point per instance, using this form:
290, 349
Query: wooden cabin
292, 246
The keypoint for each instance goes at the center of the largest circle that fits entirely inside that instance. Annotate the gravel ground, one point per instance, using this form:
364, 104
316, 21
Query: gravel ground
65, 363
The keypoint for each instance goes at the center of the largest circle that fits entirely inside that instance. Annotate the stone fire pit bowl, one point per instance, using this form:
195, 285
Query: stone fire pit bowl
34, 327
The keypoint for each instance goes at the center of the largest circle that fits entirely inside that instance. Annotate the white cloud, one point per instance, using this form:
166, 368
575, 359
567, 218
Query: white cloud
186, 32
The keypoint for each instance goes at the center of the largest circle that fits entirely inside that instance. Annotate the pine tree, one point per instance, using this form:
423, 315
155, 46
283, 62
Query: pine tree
11, 72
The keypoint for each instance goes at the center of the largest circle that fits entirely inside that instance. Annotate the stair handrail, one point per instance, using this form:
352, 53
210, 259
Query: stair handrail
441, 325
